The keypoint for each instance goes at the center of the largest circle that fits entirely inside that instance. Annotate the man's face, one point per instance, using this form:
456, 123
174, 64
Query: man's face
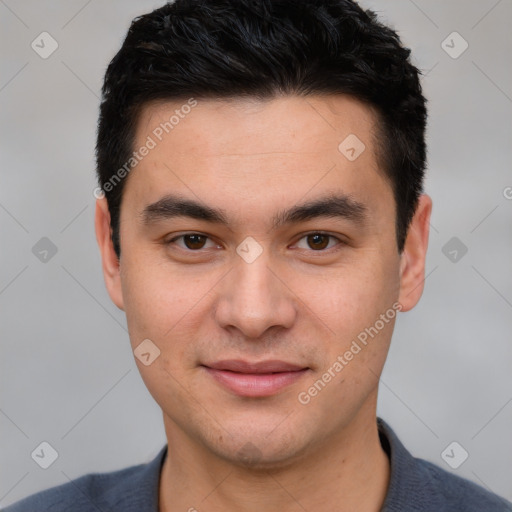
299, 291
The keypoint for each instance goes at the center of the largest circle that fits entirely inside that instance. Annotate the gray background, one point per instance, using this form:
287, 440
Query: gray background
68, 376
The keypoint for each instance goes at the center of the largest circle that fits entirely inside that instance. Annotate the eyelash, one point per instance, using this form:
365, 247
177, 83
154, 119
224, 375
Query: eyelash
340, 242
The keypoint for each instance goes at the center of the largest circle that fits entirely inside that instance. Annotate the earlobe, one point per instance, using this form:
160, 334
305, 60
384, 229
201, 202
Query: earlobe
110, 262
412, 263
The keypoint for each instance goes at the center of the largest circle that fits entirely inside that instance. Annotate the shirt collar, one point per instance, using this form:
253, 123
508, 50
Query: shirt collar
138, 490
408, 484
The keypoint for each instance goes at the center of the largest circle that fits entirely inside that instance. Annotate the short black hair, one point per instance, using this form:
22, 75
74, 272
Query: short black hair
264, 49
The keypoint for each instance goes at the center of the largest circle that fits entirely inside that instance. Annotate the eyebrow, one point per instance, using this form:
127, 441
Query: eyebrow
331, 206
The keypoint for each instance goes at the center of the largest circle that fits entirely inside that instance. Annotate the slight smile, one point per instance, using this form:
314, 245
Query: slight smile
259, 379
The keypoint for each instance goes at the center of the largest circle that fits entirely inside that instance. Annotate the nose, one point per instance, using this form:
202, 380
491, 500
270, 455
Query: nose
254, 298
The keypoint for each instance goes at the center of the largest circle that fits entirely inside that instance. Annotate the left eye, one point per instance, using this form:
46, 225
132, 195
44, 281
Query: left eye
318, 241
192, 241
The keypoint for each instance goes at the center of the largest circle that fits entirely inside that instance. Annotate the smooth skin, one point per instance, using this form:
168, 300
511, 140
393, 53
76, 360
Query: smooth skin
303, 300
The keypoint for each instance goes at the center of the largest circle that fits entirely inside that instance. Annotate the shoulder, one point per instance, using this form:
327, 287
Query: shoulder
417, 485
132, 488
457, 493
80, 494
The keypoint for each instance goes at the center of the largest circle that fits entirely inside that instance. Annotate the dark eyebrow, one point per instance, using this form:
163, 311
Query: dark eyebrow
174, 206
332, 206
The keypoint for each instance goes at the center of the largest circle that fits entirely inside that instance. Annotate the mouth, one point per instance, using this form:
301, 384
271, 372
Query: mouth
255, 379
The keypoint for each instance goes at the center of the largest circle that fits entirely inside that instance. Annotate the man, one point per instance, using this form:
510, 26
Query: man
263, 221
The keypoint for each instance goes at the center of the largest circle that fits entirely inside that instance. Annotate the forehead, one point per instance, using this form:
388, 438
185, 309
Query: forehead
251, 126
265, 151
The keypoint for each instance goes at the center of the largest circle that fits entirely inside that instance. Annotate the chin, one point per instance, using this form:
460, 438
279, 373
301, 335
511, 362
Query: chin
259, 450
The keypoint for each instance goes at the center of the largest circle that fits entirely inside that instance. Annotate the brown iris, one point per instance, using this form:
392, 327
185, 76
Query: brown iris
194, 241
318, 241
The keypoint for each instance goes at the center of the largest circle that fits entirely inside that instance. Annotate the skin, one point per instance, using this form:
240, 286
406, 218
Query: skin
296, 302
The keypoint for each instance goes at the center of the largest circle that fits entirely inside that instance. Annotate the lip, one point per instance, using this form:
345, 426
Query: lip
255, 379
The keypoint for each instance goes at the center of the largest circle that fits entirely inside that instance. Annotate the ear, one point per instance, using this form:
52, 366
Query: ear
110, 263
412, 259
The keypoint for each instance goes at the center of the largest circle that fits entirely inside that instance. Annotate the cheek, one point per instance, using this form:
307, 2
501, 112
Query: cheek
154, 297
161, 306
352, 297
350, 304
167, 307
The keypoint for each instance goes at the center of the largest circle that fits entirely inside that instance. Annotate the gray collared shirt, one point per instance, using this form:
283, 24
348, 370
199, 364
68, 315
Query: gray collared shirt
415, 486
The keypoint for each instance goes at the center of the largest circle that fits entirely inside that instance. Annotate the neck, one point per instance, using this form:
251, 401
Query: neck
345, 473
